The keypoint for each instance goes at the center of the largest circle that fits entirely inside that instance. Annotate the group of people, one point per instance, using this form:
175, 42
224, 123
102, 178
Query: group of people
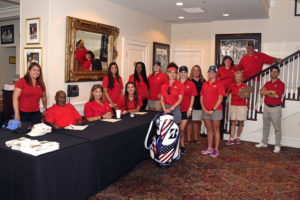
189, 98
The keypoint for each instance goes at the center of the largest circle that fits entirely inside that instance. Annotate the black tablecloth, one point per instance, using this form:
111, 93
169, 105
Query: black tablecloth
62, 174
116, 147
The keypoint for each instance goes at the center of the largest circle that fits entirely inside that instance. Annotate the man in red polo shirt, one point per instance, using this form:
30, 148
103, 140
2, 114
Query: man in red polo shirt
273, 91
252, 63
61, 114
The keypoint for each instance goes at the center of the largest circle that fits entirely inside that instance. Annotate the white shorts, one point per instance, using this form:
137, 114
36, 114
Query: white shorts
238, 113
196, 115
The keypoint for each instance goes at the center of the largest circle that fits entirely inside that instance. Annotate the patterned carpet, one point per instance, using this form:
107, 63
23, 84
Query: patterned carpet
240, 172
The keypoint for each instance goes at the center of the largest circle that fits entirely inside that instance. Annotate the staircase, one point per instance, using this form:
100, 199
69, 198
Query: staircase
290, 75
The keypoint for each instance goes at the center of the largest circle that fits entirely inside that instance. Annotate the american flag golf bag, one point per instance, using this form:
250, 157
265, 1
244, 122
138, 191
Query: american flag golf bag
165, 143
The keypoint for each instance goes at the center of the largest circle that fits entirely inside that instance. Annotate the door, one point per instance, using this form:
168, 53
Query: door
133, 51
188, 57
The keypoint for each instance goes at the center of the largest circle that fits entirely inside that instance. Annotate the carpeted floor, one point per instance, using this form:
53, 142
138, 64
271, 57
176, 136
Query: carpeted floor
240, 172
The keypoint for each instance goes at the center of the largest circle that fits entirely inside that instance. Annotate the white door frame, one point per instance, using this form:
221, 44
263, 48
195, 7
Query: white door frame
129, 41
189, 49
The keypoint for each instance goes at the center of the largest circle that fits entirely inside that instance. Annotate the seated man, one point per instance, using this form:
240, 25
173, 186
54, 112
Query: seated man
61, 114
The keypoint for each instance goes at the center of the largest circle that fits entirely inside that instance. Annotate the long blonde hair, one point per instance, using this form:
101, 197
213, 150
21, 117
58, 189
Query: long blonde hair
201, 75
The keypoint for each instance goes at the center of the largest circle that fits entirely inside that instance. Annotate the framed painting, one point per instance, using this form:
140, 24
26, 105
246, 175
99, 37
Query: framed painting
161, 53
32, 54
297, 7
33, 31
234, 45
7, 34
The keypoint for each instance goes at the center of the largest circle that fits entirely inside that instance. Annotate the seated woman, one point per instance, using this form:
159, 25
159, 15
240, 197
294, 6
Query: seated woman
131, 102
61, 114
87, 65
97, 108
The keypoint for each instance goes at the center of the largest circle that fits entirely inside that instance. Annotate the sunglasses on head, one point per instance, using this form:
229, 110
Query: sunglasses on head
169, 90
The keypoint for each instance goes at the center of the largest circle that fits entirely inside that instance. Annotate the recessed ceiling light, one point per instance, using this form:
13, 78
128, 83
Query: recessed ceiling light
193, 10
181, 17
225, 14
179, 4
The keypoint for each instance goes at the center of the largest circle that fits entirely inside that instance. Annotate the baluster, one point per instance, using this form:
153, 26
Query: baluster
297, 77
287, 80
259, 99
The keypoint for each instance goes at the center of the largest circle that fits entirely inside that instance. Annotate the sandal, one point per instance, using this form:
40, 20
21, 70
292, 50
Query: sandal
197, 141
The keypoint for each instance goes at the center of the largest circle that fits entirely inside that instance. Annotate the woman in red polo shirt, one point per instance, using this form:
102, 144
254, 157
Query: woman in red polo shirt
172, 93
27, 94
156, 80
238, 109
97, 108
131, 101
211, 101
87, 65
187, 103
226, 72
113, 85
140, 79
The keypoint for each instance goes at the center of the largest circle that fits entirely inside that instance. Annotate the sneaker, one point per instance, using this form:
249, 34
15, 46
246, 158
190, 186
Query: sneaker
214, 154
207, 151
237, 141
230, 142
261, 145
182, 150
276, 149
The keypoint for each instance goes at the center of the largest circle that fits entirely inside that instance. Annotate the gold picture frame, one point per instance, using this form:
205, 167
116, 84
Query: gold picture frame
75, 25
12, 60
33, 31
32, 54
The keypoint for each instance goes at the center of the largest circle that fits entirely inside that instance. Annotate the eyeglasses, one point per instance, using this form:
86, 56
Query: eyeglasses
169, 90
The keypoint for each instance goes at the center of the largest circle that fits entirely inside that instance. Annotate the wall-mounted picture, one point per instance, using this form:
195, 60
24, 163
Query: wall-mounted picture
234, 45
12, 60
161, 53
7, 34
297, 7
32, 54
33, 31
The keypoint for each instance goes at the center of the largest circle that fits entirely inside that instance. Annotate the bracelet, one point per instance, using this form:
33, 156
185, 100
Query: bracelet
190, 109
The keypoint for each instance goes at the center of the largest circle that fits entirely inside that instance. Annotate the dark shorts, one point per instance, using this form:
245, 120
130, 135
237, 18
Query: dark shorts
33, 117
184, 116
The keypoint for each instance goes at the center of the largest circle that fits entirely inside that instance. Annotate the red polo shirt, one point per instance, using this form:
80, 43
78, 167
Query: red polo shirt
189, 91
211, 93
226, 76
87, 65
80, 55
115, 92
175, 90
62, 115
29, 100
234, 89
94, 109
155, 83
130, 103
278, 86
251, 65
141, 86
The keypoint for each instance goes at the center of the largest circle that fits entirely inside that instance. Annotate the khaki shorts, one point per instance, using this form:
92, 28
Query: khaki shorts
217, 115
196, 115
154, 104
238, 113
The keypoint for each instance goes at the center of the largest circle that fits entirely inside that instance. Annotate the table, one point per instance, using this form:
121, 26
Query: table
116, 147
62, 174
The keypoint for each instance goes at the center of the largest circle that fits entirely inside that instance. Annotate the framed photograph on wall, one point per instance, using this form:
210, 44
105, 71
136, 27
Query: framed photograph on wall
297, 7
161, 53
7, 34
33, 31
234, 45
32, 54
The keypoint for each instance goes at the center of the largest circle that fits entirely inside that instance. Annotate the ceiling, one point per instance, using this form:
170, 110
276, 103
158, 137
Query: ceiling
9, 9
168, 11
8, 3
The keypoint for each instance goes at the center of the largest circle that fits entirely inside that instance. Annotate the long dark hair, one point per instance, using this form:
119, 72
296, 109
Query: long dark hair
143, 73
155, 63
95, 87
111, 77
225, 58
135, 95
91, 54
40, 79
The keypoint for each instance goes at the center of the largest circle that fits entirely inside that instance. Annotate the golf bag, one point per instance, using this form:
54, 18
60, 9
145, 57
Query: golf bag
165, 144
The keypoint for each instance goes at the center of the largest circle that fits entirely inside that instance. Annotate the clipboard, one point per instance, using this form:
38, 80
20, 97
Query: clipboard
245, 92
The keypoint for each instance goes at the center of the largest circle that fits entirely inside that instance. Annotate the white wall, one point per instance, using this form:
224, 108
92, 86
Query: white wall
280, 33
53, 22
7, 71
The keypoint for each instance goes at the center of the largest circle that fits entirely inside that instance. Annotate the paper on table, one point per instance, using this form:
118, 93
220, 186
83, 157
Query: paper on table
140, 113
110, 120
76, 127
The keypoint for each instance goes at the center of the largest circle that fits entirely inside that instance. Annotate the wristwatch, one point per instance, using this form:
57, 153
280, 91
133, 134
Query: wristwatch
213, 109
190, 109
